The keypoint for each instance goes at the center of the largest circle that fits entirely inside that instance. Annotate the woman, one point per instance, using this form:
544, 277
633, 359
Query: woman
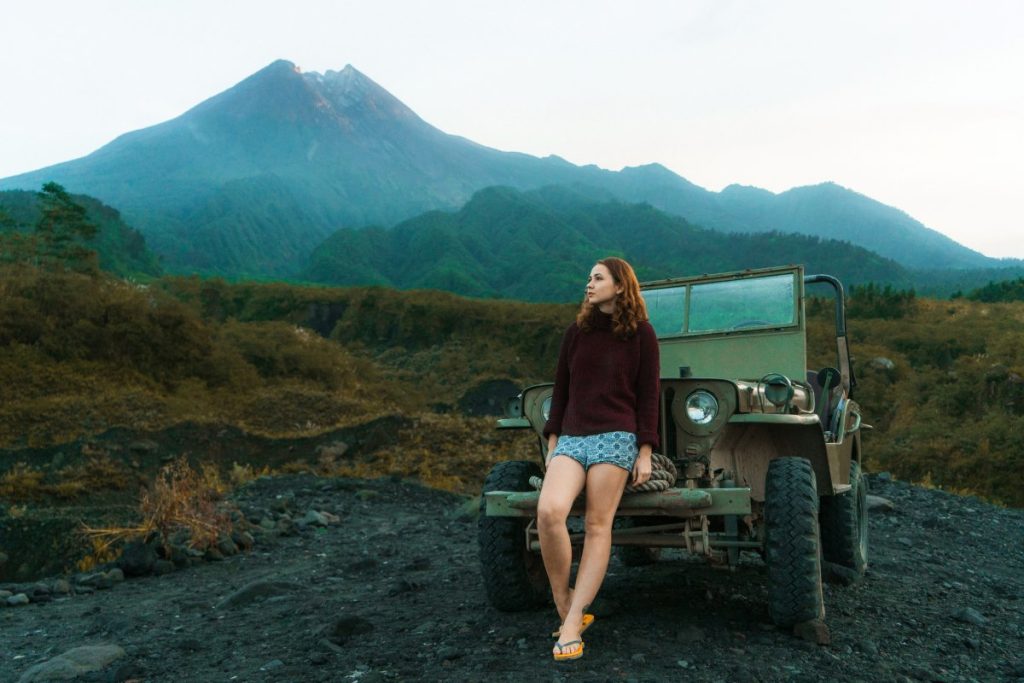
602, 427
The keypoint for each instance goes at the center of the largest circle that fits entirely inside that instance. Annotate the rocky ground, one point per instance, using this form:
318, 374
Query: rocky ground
391, 591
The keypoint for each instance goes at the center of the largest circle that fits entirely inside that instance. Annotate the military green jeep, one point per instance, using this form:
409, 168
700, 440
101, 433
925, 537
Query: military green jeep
767, 454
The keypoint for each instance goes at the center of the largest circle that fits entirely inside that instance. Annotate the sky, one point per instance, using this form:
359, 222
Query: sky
917, 104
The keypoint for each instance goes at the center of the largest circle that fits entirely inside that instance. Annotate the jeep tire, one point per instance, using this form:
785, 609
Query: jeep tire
844, 524
514, 577
792, 542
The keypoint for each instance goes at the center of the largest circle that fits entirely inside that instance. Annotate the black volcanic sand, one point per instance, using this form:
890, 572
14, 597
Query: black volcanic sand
393, 593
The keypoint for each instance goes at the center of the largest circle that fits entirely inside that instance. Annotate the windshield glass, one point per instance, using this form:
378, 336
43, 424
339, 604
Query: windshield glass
749, 303
666, 308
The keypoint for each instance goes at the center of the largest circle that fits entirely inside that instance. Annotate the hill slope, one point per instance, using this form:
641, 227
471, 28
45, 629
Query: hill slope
538, 245
249, 181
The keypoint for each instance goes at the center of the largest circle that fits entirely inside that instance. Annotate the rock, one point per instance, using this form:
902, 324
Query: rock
884, 476
143, 447
814, 631
639, 659
878, 504
881, 363
88, 579
332, 451
60, 587
255, 590
213, 554
243, 539
227, 547
313, 518
331, 518
17, 600
447, 654
366, 494
284, 502
488, 398
346, 627
73, 663
969, 615
868, 647
272, 664
419, 564
137, 558
5, 594
363, 566
115, 575
161, 567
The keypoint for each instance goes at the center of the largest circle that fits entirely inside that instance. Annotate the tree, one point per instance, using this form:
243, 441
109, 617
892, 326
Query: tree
61, 229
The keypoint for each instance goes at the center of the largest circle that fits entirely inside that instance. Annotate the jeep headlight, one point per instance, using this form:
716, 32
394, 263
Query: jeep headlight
701, 407
545, 408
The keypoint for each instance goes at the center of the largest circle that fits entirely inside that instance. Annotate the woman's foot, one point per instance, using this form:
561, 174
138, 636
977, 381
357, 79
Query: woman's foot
572, 629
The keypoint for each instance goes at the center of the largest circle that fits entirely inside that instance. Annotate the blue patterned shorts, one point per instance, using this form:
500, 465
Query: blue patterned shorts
616, 448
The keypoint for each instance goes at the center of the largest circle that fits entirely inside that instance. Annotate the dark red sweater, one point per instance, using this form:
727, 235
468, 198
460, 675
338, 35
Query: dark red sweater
606, 384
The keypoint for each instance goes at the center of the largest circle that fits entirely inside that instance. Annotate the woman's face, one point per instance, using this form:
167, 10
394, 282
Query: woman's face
601, 288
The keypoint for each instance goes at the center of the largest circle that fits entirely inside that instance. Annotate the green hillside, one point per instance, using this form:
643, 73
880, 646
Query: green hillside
537, 245
121, 249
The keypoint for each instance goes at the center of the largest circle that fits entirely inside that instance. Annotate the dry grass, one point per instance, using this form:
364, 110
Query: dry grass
181, 500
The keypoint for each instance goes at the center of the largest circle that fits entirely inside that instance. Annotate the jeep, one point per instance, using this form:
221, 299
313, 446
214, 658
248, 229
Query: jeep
766, 453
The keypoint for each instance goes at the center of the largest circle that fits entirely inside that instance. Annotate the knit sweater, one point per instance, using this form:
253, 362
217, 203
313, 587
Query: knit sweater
606, 384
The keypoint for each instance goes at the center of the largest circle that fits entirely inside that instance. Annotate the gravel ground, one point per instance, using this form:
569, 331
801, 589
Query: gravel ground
392, 592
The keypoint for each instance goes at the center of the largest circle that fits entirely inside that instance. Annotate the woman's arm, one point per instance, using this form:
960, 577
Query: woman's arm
552, 441
647, 387
560, 397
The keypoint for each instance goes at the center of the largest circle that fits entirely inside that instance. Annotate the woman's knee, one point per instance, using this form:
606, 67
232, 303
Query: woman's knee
551, 513
599, 527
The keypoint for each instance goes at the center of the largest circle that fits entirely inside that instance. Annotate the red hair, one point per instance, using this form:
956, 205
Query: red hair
630, 309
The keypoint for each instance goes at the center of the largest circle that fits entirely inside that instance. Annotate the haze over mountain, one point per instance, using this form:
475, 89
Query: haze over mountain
250, 181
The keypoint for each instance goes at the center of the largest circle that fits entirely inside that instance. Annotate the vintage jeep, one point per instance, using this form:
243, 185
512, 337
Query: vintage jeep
767, 454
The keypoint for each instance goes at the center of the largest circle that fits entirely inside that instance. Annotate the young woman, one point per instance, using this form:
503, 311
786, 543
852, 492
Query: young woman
601, 429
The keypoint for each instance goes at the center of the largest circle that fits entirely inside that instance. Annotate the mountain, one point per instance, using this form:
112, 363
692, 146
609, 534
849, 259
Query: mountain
121, 248
538, 245
248, 182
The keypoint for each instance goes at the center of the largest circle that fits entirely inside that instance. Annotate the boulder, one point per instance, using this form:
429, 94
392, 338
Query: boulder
73, 663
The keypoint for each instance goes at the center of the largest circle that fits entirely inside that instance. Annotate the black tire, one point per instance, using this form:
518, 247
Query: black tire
792, 542
514, 577
844, 524
635, 555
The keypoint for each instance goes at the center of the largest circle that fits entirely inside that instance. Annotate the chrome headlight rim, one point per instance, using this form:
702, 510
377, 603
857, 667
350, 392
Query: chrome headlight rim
701, 407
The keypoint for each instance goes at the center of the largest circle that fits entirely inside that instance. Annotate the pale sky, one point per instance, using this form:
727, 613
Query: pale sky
917, 104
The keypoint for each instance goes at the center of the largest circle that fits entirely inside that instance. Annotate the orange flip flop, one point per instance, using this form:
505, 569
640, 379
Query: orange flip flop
574, 653
588, 619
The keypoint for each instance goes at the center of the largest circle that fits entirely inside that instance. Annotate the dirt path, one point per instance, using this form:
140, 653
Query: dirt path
392, 592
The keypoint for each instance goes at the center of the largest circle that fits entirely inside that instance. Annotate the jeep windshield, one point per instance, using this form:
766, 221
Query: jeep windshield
751, 303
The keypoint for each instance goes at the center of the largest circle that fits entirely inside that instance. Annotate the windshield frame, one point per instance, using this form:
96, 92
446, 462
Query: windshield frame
686, 285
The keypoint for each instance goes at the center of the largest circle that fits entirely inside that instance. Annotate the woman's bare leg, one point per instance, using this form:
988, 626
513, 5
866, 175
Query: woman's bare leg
563, 482
605, 483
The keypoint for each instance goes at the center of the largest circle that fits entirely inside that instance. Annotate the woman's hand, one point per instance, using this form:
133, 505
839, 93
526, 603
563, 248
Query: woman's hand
552, 442
642, 466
